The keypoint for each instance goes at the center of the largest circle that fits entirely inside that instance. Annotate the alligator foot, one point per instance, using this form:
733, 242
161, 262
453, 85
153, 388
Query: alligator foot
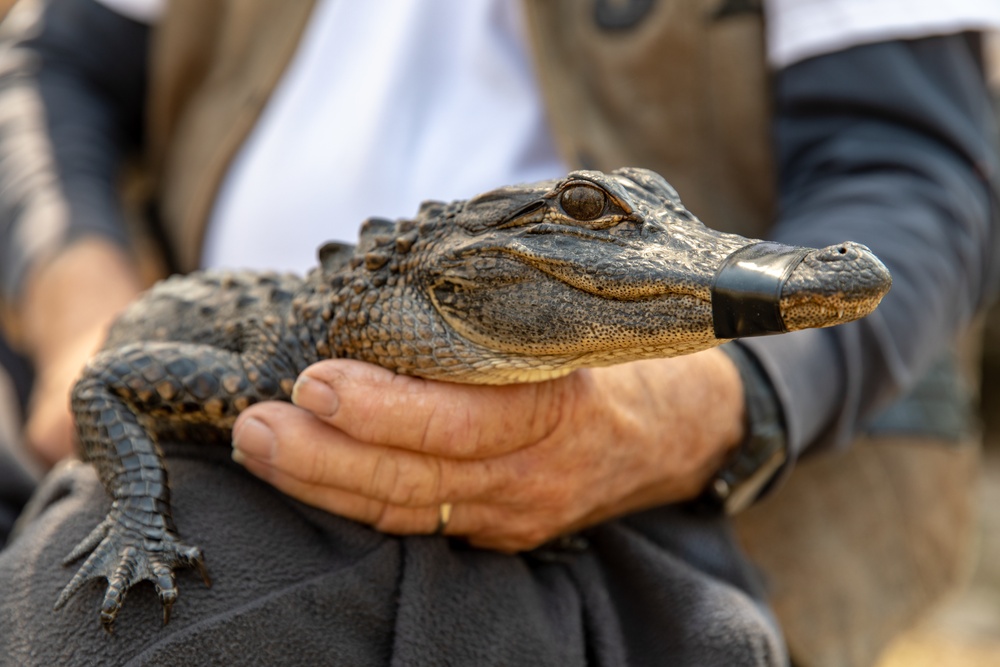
122, 554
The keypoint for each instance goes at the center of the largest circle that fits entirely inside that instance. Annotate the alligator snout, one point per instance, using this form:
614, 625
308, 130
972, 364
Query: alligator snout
766, 288
833, 285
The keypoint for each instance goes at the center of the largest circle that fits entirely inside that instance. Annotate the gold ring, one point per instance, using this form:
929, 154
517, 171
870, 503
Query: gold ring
444, 516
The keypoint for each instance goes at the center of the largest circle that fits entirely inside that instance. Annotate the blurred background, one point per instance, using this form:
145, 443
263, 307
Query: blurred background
965, 631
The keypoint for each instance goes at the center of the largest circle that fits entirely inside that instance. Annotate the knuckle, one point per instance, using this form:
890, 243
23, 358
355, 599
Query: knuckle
406, 480
384, 477
383, 518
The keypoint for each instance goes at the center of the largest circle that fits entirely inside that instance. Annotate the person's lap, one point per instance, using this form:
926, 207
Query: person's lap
292, 585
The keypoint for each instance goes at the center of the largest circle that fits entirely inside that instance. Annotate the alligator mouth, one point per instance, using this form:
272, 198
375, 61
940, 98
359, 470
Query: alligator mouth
769, 288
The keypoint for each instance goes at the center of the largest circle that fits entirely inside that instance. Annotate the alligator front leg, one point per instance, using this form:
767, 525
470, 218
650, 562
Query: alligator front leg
182, 386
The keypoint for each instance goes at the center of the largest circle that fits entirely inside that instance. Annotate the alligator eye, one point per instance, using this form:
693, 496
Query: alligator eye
583, 202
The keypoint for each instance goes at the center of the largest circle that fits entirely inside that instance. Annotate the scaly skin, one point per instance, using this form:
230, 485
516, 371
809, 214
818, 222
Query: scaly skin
523, 283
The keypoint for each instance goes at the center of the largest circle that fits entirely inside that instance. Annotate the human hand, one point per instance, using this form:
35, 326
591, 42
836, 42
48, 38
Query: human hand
68, 305
49, 431
520, 464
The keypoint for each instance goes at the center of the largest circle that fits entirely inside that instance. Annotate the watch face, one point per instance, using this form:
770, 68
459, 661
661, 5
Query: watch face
741, 493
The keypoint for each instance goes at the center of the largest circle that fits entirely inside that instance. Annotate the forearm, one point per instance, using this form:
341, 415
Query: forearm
55, 313
890, 145
69, 303
72, 93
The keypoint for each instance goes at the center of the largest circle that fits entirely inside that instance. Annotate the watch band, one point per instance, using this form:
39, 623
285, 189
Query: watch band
756, 462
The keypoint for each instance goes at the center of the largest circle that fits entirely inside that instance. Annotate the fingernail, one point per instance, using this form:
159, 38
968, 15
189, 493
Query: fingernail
254, 439
315, 396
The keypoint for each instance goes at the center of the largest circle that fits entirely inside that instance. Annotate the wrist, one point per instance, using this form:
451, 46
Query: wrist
711, 403
751, 468
681, 419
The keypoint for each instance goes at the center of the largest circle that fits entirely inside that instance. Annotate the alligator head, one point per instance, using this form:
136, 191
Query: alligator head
532, 281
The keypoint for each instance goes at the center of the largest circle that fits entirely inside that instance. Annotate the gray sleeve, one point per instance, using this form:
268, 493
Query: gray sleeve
892, 145
72, 88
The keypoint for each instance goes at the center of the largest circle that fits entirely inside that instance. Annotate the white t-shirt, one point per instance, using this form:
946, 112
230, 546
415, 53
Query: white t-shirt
384, 105
388, 103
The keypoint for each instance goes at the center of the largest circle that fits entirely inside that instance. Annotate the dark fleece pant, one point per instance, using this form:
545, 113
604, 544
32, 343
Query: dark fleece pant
296, 586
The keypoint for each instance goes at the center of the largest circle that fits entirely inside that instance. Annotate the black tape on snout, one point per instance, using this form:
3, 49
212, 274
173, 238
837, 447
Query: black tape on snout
746, 290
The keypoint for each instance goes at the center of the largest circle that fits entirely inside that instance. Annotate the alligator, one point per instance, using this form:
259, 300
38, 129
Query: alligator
520, 284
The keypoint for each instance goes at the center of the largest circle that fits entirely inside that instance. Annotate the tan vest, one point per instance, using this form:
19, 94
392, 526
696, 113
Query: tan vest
680, 92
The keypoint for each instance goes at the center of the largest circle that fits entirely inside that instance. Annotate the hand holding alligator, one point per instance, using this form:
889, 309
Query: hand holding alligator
521, 464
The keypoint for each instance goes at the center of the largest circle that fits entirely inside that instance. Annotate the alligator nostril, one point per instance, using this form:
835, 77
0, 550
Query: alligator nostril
837, 253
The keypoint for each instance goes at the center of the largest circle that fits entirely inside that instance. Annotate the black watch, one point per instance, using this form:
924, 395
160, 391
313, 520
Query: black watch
756, 462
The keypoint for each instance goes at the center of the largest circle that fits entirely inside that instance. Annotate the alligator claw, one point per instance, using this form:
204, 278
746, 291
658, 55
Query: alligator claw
124, 556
